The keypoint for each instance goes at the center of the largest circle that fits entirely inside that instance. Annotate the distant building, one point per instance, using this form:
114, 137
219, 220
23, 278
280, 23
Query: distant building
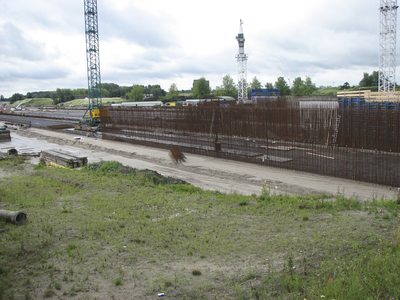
194, 82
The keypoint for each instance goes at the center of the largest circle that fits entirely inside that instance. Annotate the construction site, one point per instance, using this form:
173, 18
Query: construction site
356, 136
346, 142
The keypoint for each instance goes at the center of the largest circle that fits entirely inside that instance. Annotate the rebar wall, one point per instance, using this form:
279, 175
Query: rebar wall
356, 144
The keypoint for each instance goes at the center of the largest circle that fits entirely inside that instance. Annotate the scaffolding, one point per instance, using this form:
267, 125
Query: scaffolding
242, 67
387, 45
92, 114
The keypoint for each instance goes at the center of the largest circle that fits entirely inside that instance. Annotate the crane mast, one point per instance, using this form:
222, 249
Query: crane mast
387, 46
287, 77
92, 115
242, 67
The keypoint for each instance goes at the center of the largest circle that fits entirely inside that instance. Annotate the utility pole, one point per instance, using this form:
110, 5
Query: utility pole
242, 67
387, 46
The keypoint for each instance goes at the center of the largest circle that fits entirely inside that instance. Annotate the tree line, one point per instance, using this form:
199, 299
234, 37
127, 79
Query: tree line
300, 87
108, 90
201, 89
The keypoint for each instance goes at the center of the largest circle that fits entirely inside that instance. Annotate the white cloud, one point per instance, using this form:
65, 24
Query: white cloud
164, 42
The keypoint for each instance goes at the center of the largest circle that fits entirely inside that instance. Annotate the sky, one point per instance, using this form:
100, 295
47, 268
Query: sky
42, 42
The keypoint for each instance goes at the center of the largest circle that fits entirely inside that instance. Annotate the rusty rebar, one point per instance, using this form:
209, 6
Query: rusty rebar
348, 143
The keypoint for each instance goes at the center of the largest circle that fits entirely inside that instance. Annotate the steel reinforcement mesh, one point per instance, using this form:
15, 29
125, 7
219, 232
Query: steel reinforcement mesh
355, 144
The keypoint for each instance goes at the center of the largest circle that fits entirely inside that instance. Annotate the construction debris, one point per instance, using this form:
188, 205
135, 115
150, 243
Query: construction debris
60, 126
12, 152
64, 158
18, 125
14, 217
5, 135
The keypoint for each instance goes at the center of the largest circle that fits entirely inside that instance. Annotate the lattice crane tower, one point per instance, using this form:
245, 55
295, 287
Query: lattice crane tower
387, 46
93, 61
242, 66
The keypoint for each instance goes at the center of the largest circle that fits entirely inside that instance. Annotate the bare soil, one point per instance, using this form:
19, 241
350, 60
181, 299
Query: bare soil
206, 172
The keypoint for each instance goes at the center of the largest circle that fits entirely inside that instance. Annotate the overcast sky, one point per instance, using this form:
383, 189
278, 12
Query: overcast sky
42, 42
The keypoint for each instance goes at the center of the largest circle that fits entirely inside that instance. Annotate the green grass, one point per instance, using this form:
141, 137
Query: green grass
34, 102
106, 227
77, 102
85, 102
332, 91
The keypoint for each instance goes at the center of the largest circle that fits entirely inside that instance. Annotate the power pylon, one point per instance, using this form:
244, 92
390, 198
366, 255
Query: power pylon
242, 67
387, 46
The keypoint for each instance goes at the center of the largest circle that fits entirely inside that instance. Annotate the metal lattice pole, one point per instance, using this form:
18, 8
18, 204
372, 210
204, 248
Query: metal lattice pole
242, 67
387, 46
92, 56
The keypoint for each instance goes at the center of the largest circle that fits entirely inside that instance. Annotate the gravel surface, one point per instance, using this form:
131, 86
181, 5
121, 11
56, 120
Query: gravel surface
205, 172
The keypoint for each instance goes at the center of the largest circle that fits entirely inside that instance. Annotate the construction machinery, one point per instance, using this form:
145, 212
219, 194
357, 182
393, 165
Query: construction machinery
91, 118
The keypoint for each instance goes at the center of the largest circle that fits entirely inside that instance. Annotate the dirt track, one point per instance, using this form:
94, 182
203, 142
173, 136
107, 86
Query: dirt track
205, 172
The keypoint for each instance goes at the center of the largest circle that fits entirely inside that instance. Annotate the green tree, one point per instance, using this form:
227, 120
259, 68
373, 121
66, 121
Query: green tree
375, 78
105, 93
366, 81
83, 92
173, 92
114, 90
255, 84
298, 87
154, 90
370, 80
228, 87
345, 85
201, 89
282, 85
218, 91
136, 94
269, 85
158, 92
62, 95
42, 94
309, 87
15, 97
303, 88
124, 91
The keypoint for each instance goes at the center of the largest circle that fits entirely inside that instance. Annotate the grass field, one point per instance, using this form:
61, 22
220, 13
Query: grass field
77, 102
34, 102
113, 232
85, 102
332, 91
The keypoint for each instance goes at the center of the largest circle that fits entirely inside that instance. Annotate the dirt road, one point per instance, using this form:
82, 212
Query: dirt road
205, 172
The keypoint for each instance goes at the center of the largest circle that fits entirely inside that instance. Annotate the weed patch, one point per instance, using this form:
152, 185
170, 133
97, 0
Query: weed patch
107, 226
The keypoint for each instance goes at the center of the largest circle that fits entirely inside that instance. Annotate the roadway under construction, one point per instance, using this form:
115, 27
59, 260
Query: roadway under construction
357, 144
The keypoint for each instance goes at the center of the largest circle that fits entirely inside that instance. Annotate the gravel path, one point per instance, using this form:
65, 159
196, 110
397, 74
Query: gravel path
205, 172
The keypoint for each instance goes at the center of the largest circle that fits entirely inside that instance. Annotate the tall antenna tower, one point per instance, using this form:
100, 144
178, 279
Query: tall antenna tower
387, 46
242, 66
93, 62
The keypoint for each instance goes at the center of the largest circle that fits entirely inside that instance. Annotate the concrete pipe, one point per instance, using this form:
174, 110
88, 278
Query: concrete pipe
14, 217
